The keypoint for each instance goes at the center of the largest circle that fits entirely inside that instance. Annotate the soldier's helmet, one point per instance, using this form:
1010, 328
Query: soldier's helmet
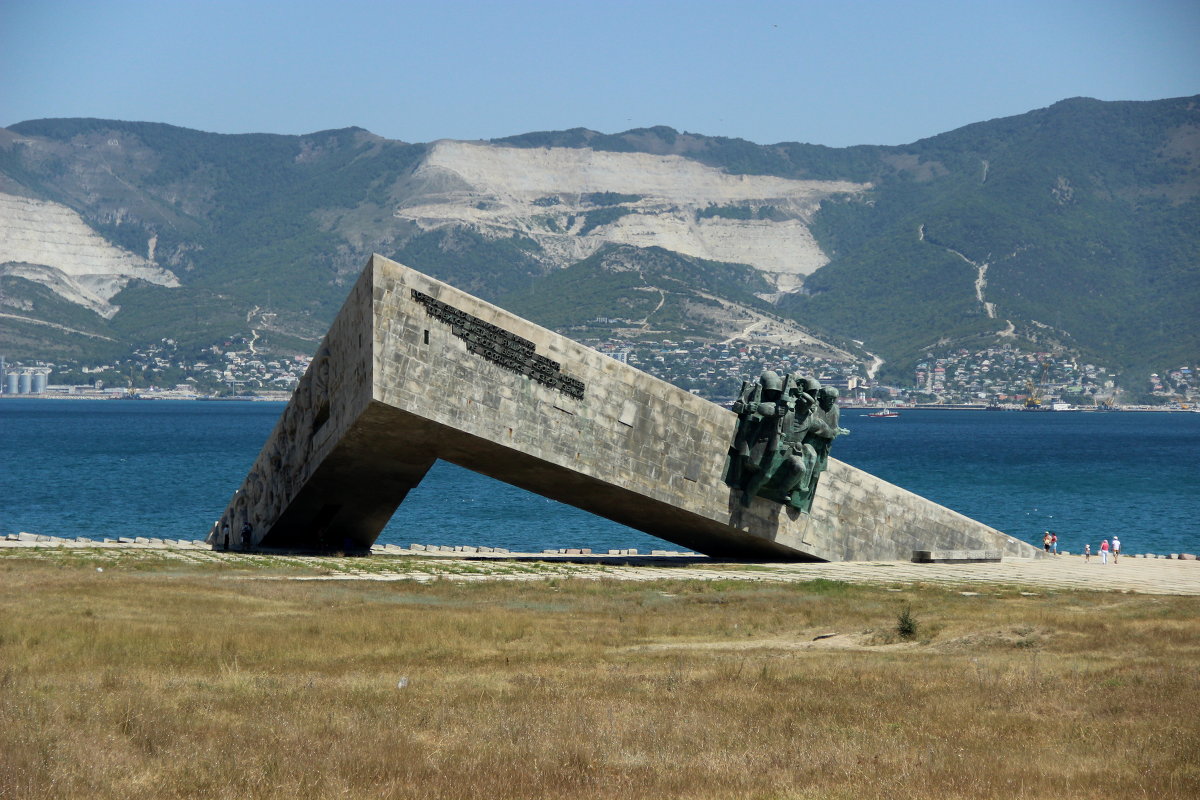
771, 382
811, 385
827, 396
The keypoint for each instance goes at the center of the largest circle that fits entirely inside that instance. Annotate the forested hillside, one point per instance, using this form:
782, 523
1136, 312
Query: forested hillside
1074, 227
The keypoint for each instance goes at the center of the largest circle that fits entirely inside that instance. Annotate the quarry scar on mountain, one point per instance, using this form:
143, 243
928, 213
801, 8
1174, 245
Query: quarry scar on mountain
413, 370
546, 194
50, 244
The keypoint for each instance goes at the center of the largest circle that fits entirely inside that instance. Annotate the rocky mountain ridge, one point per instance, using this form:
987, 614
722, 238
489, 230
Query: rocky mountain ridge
1073, 227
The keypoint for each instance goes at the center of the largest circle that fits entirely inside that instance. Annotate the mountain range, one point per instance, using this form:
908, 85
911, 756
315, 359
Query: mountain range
1074, 229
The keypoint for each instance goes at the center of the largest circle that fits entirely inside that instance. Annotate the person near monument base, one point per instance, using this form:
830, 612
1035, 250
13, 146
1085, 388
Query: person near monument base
1046, 541
246, 531
1087, 552
1054, 542
1104, 552
1116, 548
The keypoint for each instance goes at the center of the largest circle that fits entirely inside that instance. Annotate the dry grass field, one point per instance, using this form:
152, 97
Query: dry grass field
161, 680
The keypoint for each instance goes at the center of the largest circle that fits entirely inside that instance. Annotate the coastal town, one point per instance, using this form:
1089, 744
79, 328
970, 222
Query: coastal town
994, 377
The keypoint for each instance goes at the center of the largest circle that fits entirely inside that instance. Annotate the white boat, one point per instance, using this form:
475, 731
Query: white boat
884, 412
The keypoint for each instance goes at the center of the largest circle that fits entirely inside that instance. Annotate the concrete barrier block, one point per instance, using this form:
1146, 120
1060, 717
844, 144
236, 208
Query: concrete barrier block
956, 556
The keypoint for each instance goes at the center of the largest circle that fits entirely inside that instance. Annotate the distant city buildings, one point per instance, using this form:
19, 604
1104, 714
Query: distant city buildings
1002, 375
163, 371
1006, 374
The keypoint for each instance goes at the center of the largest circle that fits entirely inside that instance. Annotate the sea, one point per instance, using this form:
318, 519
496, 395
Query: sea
161, 468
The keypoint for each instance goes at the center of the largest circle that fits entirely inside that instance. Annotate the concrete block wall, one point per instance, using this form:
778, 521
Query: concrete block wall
631, 448
326, 404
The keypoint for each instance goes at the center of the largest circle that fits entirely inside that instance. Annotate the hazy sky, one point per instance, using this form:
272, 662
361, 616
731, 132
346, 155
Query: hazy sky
830, 72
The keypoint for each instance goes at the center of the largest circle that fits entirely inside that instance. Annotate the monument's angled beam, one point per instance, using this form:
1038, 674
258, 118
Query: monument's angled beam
413, 370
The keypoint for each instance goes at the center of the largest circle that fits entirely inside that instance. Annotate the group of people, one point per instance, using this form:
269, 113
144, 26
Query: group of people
1105, 549
1050, 545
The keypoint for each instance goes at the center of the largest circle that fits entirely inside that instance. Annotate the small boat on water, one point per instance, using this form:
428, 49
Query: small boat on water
884, 412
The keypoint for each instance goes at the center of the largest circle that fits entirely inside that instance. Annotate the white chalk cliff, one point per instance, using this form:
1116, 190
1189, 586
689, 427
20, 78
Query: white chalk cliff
51, 244
543, 193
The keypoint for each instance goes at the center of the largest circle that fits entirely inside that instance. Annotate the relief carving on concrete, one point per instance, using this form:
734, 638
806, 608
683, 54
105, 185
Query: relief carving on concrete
786, 426
501, 347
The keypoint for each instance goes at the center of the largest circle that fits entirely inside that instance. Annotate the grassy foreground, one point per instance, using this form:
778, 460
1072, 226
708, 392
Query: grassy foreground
162, 679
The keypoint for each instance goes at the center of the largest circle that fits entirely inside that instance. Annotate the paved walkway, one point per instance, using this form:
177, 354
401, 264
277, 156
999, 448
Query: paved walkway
1143, 576
1131, 574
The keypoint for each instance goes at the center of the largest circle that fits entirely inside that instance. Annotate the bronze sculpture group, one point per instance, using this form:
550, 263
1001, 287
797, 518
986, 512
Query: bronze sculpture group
785, 429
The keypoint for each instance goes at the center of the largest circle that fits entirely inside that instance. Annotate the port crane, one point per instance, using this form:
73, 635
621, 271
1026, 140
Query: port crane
1033, 399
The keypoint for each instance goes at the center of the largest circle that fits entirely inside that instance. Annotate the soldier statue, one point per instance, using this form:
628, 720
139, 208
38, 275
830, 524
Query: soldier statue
785, 429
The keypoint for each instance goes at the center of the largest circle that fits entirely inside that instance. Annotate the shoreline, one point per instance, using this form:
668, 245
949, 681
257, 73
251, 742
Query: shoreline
1136, 573
284, 398
468, 552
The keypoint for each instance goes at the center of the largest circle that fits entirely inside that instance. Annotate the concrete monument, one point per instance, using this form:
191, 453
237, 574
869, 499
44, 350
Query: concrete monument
413, 370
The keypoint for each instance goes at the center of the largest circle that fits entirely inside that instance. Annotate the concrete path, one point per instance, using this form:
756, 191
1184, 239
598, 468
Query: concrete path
1143, 576
392, 563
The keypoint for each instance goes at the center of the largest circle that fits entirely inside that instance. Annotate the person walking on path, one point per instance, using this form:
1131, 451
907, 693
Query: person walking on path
1104, 552
1087, 552
1116, 548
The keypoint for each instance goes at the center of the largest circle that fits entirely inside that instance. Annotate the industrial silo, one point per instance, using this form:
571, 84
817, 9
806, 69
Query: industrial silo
39, 382
25, 383
10, 382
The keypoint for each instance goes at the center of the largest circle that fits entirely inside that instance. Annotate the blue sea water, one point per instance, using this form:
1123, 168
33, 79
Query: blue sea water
167, 469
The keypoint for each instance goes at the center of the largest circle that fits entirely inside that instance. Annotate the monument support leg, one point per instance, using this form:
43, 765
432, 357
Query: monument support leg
356, 489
